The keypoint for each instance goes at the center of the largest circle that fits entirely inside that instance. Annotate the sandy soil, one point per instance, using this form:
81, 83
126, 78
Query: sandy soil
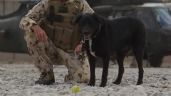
18, 80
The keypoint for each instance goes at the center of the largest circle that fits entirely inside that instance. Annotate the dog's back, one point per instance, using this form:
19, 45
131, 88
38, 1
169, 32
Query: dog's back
125, 32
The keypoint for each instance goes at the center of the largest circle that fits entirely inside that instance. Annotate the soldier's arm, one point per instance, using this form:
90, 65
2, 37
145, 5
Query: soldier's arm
35, 16
86, 7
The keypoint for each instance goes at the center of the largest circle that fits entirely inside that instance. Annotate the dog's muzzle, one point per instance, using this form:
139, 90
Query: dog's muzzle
86, 35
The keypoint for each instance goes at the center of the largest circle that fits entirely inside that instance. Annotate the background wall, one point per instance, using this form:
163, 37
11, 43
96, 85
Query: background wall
8, 6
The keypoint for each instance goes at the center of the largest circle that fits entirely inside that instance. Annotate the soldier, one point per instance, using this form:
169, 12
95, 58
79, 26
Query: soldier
51, 38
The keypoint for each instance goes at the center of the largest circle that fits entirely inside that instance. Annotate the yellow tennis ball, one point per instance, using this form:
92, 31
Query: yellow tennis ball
75, 89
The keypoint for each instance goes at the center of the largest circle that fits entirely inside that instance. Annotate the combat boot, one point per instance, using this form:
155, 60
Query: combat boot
46, 78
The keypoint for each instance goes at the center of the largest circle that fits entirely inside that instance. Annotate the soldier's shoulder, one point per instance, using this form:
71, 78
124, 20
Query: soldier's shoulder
44, 1
72, 1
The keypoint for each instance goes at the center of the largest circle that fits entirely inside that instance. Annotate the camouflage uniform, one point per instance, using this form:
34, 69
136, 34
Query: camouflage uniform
52, 51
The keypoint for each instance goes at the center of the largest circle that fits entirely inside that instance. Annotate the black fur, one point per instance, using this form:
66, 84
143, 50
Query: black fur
111, 37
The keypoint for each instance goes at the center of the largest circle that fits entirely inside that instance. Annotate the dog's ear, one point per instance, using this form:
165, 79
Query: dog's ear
98, 18
76, 19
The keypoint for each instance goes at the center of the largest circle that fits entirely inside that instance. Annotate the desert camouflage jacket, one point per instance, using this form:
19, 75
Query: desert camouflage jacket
39, 13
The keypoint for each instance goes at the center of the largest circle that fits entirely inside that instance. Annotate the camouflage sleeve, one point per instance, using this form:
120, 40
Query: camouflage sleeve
35, 16
86, 7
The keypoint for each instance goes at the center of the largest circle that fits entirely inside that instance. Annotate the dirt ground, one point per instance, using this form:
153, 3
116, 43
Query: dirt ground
18, 80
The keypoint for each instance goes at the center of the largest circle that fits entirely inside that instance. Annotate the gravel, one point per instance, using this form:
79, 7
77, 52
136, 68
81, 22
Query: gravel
18, 80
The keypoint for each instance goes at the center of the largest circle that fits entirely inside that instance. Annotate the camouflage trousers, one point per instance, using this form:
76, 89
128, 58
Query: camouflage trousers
46, 54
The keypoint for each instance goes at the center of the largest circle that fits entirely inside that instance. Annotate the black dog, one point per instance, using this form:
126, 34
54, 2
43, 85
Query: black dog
105, 38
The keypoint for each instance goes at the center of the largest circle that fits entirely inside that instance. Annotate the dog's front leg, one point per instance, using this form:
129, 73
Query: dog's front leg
92, 63
105, 71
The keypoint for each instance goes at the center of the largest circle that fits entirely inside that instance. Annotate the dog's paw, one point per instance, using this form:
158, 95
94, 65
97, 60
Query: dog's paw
91, 84
117, 82
139, 82
102, 85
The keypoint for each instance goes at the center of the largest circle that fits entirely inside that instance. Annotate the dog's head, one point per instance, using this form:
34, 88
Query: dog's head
89, 24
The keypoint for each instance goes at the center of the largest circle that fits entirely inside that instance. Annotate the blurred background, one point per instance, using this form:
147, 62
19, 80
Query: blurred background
155, 14
12, 45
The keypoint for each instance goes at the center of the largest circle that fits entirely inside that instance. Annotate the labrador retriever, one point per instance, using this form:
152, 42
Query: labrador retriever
104, 38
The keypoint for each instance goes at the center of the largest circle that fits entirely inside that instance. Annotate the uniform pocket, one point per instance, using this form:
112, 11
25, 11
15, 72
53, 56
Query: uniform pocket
63, 37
